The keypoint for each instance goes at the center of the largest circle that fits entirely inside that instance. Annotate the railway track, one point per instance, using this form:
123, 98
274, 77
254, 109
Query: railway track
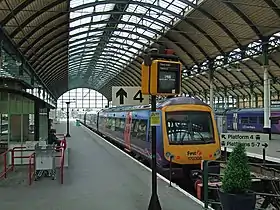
268, 186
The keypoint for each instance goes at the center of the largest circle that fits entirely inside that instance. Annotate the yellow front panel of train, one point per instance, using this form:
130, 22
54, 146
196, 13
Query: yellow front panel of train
190, 134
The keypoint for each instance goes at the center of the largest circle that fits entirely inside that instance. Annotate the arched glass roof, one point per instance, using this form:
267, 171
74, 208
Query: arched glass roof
105, 36
100, 43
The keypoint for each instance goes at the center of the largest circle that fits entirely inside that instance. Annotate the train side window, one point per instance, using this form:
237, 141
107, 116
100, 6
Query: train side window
253, 120
261, 120
134, 127
275, 120
244, 120
113, 124
142, 129
118, 124
122, 124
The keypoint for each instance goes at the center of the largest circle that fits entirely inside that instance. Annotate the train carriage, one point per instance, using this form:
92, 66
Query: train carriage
187, 132
252, 120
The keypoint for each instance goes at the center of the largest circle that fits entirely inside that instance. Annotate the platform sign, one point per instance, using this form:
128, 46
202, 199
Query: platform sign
250, 140
128, 95
155, 119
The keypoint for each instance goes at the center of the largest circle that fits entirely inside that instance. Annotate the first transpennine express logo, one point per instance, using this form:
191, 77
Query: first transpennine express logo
194, 155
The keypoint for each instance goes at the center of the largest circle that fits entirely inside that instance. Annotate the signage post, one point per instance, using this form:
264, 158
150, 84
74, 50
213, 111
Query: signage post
161, 76
67, 123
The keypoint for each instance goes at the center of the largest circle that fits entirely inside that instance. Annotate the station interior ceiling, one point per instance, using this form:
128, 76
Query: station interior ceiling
100, 44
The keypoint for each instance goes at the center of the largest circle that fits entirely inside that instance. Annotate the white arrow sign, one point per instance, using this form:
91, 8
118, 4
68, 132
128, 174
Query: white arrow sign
128, 95
252, 140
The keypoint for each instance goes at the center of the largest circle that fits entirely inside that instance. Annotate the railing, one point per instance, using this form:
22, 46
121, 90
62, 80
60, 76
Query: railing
62, 166
265, 184
62, 156
6, 169
31, 172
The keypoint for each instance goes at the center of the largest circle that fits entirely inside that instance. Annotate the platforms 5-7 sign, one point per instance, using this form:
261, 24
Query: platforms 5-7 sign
259, 140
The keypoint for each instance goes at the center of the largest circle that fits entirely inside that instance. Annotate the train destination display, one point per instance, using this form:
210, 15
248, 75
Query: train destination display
168, 77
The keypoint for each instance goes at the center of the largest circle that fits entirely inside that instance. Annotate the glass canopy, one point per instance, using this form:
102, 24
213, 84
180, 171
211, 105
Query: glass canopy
105, 36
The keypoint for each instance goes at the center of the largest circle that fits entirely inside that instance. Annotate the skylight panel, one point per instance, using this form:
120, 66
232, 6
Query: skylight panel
104, 7
175, 9
95, 33
163, 4
131, 8
164, 17
178, 3
78, 30
75, 43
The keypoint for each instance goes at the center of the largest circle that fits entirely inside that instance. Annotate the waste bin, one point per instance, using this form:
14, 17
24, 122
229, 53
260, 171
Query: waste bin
77, 123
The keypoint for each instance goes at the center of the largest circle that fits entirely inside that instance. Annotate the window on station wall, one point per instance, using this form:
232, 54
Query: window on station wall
82, 98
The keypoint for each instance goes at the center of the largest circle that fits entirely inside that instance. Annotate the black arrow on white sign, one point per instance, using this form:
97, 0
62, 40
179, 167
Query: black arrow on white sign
121, 93
224, 136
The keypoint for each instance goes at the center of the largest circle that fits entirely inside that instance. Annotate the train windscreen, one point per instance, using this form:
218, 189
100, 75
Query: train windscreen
189, 127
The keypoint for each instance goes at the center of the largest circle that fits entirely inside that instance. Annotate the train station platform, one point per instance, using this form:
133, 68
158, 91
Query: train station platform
98, 177
272, 152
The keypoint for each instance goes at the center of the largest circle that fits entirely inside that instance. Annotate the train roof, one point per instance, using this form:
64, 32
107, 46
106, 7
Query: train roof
92, 112
160, 104
252, 110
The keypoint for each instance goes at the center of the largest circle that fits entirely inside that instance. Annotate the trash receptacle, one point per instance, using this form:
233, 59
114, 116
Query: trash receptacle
77, 123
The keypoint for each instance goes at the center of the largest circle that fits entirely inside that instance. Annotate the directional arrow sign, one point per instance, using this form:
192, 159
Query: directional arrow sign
121, 93
128, 95
250, 140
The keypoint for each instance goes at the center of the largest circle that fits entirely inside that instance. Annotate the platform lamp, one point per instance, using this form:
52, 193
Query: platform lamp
67, 122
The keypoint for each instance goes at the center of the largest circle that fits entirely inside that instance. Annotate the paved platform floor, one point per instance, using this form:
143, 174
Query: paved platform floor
98, 177
273, 149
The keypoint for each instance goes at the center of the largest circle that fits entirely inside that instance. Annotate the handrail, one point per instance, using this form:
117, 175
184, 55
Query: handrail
6, 169
62, 147
62, 166
30, 173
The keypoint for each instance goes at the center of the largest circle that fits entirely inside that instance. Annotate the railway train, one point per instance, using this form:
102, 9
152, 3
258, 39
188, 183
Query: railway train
187, 133
251, 120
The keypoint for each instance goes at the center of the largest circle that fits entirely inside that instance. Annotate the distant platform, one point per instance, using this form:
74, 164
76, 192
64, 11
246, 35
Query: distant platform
272, 152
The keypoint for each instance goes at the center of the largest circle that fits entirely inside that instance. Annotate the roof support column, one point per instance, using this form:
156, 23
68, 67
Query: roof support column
251, 96
205, 97
211, 85
225, 99
237, 102
256, 101
266, 100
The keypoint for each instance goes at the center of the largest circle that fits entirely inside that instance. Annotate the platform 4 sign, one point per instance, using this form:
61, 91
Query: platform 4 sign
128, 95
250, 140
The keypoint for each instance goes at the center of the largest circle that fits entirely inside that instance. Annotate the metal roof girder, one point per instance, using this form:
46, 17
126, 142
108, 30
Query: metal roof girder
35, 15
41, 37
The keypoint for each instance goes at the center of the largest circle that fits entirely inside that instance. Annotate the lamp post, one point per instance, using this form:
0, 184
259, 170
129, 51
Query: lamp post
67, 122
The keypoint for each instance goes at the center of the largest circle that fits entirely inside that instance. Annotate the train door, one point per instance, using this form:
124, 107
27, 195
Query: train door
235, 121
127, 131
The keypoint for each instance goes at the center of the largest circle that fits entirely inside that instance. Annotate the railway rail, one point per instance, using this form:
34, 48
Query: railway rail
266, 184
267, 188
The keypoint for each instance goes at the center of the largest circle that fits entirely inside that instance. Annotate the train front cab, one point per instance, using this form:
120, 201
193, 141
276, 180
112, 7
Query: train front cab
190, 135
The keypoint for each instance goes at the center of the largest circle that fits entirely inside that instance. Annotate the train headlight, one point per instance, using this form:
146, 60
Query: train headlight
217, 154
168, 155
